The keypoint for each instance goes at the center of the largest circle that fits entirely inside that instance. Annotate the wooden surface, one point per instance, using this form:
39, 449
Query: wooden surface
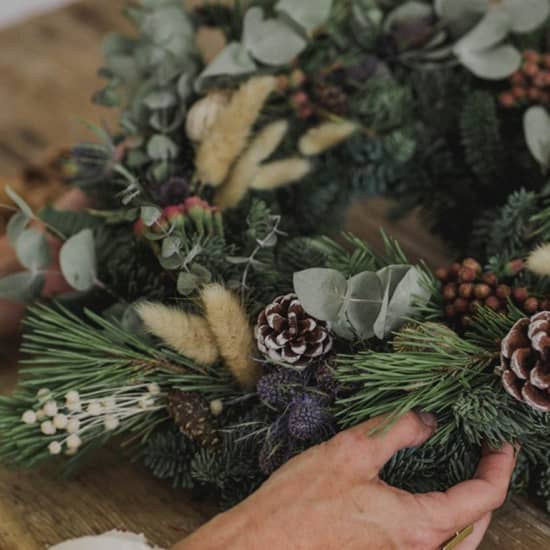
48, 72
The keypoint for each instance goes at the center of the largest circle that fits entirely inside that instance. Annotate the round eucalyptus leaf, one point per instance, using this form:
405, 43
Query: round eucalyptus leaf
203, 273
162, 99
321, 292
17, 224
23, 287
170, 246
271, 41
493, 64
187, 283
363, 303
406, 12
309, 15
232, 60
32, 249
161, 147
19, 202
150, 215
526, 15
77, 260
460, 16
491, 30
536, 124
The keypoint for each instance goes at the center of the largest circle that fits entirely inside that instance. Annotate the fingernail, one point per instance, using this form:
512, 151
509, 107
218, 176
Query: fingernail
428, 419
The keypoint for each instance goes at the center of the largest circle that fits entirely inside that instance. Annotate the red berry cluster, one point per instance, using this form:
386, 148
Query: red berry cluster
300, 100
531, 83
466, 287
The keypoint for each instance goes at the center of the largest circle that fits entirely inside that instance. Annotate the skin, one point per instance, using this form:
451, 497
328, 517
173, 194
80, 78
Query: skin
331, 497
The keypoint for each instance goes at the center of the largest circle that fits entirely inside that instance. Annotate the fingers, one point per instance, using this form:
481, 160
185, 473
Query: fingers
468, 502
383, 439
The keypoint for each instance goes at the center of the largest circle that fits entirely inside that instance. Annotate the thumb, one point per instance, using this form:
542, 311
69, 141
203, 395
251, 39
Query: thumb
384, 437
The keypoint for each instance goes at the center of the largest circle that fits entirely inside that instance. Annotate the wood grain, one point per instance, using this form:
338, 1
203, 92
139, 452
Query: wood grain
48, 68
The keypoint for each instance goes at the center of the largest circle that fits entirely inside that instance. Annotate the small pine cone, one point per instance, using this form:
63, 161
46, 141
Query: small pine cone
278, 388
525, 361
286, 333
331, 97
193, 416
307, 417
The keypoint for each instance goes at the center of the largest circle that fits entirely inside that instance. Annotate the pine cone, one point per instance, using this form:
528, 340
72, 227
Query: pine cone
525, 361
193, 416
285, 332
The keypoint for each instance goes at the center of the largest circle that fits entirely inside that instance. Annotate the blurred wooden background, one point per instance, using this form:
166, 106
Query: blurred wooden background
48, 67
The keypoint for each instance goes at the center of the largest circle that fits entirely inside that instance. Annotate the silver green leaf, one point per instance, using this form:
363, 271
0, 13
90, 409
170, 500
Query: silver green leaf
492, 64
187, 283
526, 15
77, 260
363, 303
271, 41
20, 202
309, 15
536, 124
410, 10
162, 99
170, 246
32, 249
150, 215
23, 287
17, 224
492, 29
321, 291
161, 147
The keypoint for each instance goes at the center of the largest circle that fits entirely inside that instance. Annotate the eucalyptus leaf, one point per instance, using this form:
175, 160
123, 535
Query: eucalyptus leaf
202, 273
321, 292
187, 283
19, 202
363, 303
23, 287
493, 64
161, 147
309, 15
170, 246
526, 15
32, 249
184, 86
233, 60
162, 99
406, 12
150, 215
17, 224
271, 41
536, 124
492, 29
77, 260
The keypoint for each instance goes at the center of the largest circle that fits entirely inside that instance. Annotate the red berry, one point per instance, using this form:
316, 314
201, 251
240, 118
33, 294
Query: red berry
449, 292
507, 100
519, 92
490, 279
482, 291
472, 264
514, 267
461, 305
531, 56
503, 292
467, 275
520, 294
531, 305
517, 78
455, 269
544, 305
493, 302
450, 311
534, 94
442, 274
530, 68
466, 290
546, 60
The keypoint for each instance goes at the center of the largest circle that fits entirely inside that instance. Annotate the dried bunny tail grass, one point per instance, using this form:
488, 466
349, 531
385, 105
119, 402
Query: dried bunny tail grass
229, 323
329, 134
261, 147
186, 333
281, 172
539, 260
229, 134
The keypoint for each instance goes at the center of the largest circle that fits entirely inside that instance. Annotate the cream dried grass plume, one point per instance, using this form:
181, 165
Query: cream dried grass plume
184, 332
242, 175
321, 138
229, 322
230, 133
539, 260
281, 172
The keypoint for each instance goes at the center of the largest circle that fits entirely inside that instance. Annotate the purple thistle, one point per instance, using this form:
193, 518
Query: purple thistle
279, 388
173, 191
307, 417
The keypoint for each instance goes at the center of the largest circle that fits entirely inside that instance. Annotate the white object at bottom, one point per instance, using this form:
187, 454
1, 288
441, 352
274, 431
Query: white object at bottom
114, 540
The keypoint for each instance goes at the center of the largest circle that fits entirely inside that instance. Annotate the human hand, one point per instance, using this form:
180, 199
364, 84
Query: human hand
331, 497
12, 313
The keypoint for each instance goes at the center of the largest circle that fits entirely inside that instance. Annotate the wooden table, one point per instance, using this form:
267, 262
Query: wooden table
48, 72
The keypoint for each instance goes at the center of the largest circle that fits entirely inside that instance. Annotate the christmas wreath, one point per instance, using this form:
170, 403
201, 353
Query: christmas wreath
213, 329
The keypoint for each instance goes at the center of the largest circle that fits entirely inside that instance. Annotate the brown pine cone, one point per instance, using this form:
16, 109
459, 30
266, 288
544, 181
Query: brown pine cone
286, 333
194, 417
525, 361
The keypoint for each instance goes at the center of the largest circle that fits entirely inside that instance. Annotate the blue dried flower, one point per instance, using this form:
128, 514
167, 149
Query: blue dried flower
307, 416
173, 191
279, 388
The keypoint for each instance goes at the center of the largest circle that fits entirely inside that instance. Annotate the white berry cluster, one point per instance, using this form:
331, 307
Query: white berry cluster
83, 415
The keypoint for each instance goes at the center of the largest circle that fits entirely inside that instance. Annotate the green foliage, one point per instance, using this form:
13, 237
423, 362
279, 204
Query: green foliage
66, 222
481, 136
